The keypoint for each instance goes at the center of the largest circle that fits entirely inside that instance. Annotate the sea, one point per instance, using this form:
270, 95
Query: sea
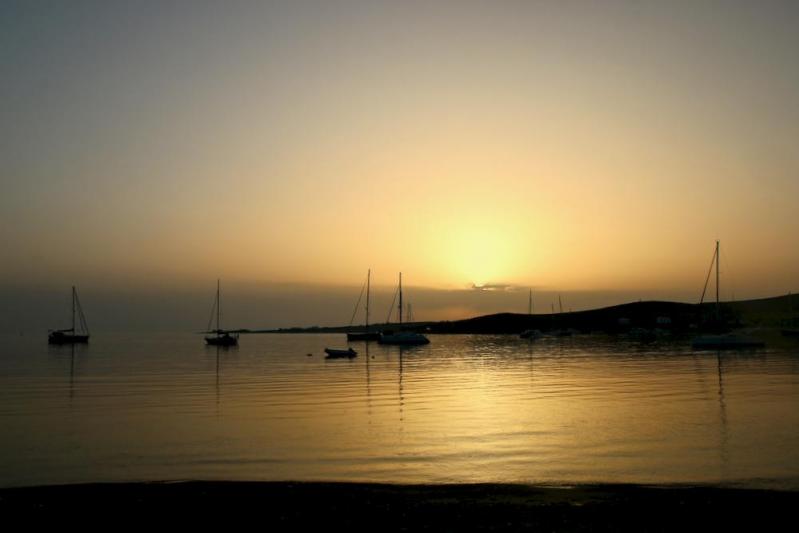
463, 409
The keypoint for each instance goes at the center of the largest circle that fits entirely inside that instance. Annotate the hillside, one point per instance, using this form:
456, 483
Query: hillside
779, 311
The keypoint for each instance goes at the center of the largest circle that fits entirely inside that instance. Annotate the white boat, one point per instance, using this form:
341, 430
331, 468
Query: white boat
402, 337
727, 340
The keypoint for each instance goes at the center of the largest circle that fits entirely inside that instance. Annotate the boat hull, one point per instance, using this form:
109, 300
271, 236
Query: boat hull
222, 341
404, 339
340, 354
365, 336
67, 339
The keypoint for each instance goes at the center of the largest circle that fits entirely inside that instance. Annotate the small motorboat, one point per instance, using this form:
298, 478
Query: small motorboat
333, 353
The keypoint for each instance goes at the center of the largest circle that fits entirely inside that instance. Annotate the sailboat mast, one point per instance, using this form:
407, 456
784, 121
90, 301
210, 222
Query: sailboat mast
368, 281
73, 309
718, 311
218, 306
400, 298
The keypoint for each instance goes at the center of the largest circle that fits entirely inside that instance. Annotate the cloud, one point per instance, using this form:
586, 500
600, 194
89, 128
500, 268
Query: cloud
492, 287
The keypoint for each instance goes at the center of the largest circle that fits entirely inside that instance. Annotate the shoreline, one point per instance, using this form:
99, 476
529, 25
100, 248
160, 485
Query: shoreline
295, 505
677, 318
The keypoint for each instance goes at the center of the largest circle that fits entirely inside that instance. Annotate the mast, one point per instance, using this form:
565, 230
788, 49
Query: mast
218, 306
560, 304
400, 298
368, 280
718, 311
73, 309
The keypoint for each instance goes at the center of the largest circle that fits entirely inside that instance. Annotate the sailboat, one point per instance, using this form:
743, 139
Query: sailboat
530, 333
221, 337
72, 335
402, 337
365, 335
726, 340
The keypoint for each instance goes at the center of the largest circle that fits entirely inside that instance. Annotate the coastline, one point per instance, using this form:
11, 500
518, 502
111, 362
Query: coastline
672, 317
388, 507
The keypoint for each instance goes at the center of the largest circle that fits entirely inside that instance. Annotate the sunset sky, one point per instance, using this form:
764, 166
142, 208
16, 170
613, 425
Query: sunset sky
573, 147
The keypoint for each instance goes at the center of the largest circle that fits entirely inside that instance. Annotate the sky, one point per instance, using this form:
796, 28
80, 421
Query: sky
590, 149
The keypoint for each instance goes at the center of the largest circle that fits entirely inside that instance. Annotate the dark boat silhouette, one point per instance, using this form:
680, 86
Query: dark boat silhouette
73, 335
408, 338
219, 337
333, 353
725, 341
363, 335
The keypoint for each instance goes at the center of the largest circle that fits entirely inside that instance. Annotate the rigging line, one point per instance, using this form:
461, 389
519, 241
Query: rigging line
81, 317
391, 309
707, 280
355, 311
727, 276
213, 312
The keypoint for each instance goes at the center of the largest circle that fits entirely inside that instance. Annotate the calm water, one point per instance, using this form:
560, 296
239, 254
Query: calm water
465, 408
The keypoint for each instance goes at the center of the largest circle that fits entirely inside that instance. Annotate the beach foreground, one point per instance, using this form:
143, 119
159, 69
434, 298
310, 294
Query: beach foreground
294, 506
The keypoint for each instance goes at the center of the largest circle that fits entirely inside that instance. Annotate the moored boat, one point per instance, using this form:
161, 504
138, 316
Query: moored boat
364, 335
721, 341
222, 338
78, 333
219, 337
402, 337
333, 353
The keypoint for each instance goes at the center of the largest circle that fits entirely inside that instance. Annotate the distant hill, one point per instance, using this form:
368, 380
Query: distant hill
779, 311
637, 314
776, 311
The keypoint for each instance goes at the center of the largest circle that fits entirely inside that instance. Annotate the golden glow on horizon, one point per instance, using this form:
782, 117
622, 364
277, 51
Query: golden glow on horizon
479, 145
481, 253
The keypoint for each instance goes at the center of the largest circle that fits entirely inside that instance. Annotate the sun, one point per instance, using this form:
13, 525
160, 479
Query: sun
481, 256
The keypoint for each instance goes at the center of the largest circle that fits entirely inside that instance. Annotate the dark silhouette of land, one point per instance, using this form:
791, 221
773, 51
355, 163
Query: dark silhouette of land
780, 311
375, 507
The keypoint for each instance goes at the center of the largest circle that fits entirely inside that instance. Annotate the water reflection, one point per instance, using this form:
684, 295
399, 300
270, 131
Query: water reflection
466, 408
723, 445
368, 382
219, 352
401, 397
59, 351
